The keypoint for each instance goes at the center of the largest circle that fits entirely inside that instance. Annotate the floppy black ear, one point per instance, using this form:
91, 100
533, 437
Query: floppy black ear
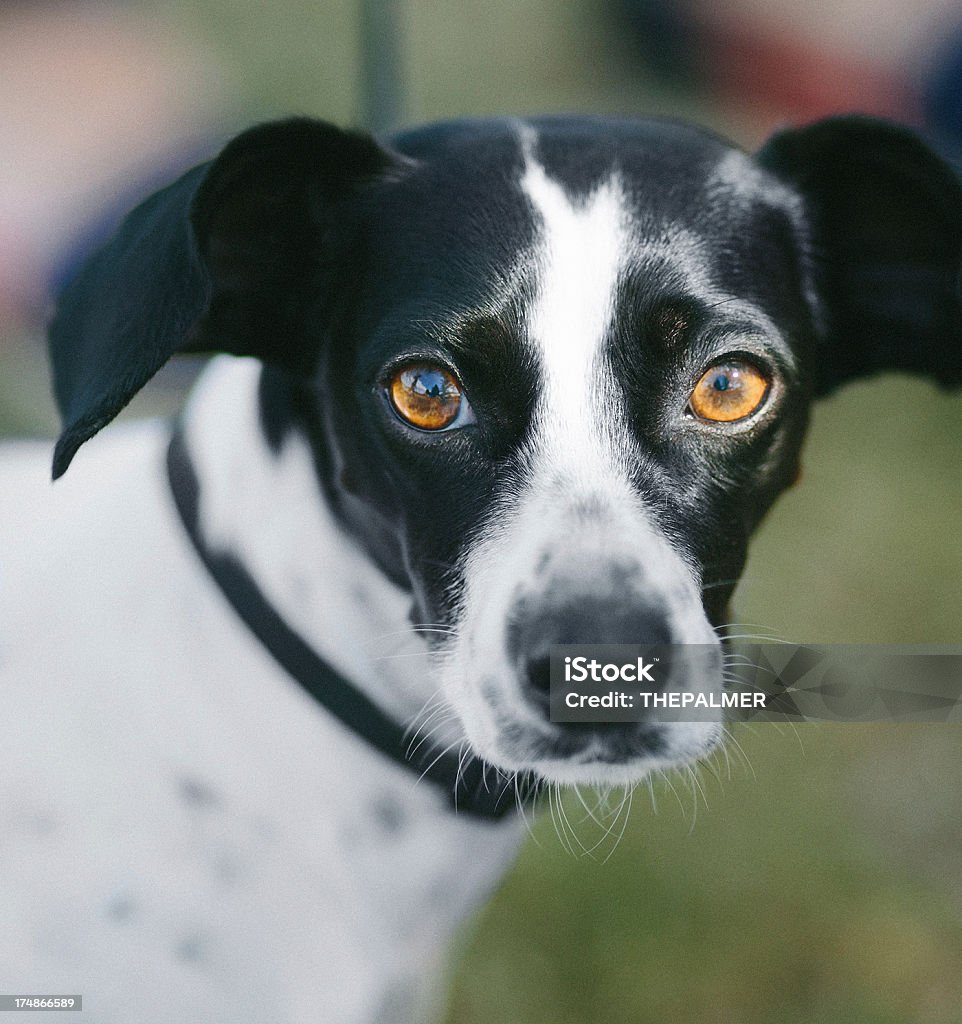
225, 259
886, 219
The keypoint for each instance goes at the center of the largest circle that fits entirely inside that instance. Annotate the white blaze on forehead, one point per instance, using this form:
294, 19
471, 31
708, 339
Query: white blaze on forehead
580, 251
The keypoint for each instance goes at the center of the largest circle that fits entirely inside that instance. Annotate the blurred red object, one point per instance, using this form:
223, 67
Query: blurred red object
787, 77
792, 61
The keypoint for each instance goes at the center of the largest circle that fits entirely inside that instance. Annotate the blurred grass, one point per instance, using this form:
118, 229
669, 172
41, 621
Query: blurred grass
780, 904
868, 546
825, 882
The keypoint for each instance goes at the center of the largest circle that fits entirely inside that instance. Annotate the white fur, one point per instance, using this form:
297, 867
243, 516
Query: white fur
579, 258
278, 893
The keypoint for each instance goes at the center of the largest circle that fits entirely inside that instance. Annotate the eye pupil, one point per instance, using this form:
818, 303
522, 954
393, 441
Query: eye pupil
722, 383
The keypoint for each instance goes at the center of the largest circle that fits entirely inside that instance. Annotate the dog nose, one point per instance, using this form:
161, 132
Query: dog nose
579, 622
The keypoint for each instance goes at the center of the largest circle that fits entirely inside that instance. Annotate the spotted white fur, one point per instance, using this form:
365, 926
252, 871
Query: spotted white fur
184, 834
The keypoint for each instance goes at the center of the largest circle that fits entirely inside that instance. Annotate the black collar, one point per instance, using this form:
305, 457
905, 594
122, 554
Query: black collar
466, 786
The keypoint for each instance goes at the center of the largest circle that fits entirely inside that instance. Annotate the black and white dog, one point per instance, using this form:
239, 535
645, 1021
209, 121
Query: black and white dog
500, 385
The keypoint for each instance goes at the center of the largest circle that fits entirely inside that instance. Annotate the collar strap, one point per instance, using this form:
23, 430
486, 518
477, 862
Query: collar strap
464, 784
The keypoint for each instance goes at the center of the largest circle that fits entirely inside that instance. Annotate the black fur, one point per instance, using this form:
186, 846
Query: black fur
885, 215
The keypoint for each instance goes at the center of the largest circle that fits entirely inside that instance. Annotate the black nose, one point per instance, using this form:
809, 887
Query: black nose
590, 621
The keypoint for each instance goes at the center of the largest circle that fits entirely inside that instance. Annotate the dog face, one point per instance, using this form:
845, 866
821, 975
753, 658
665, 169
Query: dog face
553, 372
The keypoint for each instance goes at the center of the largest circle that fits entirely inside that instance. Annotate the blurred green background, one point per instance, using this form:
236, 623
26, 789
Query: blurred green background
816, 875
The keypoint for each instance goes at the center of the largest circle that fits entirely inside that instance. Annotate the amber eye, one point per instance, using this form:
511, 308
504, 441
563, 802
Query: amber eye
729, 391
426, 396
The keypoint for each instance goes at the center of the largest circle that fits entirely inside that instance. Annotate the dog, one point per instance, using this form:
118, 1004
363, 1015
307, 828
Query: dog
274, 679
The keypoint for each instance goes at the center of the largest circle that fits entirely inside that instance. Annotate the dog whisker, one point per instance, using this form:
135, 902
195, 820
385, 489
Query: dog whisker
435, 701
718, 583
421, 627
624, 826
405, 654
465, 758
666, 778
741, 751
744, 625
427, 736
688, 775
608, 830
710, 764
589, 812
446, 750
567, 826
651, 791
519, 804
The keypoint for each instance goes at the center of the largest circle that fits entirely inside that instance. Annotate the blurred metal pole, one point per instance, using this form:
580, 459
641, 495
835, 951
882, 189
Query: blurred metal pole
382, 75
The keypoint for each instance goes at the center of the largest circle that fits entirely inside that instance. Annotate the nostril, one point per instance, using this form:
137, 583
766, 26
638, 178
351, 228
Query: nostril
539, 677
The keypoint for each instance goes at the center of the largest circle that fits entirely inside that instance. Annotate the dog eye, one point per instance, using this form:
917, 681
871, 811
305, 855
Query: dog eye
428, 397
728, 391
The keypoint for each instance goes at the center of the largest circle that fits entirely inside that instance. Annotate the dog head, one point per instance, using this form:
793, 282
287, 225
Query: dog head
553, 373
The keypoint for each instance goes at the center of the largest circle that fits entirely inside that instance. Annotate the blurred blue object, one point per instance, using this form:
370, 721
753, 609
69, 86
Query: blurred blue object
942, 93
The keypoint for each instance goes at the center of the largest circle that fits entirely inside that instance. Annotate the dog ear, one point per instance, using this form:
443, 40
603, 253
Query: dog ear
226, 259
885, 214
